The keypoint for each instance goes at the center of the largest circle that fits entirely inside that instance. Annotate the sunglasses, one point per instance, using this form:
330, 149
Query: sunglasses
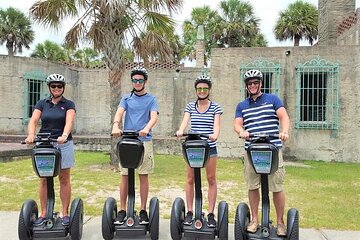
138, 80
57, 86
253, 83
205, 89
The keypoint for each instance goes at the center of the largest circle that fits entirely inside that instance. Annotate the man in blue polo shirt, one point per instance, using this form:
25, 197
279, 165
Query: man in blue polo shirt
141, 110
262, 112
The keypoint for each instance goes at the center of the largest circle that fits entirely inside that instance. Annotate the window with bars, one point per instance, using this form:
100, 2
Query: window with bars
34, 85
317, 100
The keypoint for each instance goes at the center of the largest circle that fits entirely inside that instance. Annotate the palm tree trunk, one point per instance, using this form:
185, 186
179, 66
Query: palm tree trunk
115, 94
296, 41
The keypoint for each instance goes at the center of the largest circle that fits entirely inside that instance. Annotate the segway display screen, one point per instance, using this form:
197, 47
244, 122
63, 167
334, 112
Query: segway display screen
45, 165
262, 161
195, 157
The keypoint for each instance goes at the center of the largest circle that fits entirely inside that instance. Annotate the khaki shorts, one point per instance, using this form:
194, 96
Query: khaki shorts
147, 165
276, 180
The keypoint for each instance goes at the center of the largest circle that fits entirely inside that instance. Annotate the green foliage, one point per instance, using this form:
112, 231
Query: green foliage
15, 30
298, 21
326, 194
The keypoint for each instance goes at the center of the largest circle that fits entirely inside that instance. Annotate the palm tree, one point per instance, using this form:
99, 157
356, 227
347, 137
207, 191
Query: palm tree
209, 19
298, 21
240, 26
112, 26
15, 30
49, 50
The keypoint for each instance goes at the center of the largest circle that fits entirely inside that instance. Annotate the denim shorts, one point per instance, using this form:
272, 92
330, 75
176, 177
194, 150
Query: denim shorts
213, 152
67, 154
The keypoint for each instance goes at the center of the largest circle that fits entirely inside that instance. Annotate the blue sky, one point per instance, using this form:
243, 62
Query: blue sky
266, 10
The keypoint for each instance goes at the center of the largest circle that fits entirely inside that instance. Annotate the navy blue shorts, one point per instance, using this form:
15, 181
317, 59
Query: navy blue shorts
213, 152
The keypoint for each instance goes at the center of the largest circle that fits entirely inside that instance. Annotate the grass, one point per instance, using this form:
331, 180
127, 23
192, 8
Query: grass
327, 195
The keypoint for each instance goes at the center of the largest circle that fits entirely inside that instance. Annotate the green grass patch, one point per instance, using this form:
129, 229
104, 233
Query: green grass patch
327, 195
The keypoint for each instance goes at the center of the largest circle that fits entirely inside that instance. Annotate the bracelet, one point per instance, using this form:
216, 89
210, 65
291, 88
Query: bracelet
116, 122
285, 133
65, 135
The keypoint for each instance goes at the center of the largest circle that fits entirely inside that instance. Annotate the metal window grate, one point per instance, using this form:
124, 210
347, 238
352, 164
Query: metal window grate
271, 75
317, 95
34, 86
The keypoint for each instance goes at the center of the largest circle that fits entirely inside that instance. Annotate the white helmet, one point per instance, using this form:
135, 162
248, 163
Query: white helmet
55, 78
252, 74
141, 71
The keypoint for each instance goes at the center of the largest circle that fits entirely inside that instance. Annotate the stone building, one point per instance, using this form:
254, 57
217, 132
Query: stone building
317, 84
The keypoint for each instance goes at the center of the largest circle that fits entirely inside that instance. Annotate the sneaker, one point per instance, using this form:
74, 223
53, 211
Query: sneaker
211, 223
39, 221
65, 221
144, 219
252, 227
281, 230
188, 218
121, 217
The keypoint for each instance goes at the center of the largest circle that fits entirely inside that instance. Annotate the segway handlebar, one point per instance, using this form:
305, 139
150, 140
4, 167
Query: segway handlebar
263, 135
194, 134
43, 138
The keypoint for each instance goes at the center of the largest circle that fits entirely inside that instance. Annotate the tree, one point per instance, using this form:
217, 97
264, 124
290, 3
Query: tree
15, 30
49, 50
209, 19
111, 27
298, 21
240, 26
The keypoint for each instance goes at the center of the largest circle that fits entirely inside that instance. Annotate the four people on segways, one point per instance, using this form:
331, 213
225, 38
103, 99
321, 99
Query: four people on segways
57, 115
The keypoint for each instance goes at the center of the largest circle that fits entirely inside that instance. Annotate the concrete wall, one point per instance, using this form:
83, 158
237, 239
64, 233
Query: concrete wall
90, 91
328, 145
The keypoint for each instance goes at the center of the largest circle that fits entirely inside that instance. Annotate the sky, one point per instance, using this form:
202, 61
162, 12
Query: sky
267, 11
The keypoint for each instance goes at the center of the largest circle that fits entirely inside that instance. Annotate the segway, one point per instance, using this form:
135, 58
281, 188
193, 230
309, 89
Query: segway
196, 154
131, 152
264, 159
46, 164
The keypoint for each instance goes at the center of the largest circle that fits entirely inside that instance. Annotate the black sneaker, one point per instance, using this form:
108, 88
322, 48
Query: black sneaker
144, 219
121, 217
39, 221
188, 218
211, 223
65, 221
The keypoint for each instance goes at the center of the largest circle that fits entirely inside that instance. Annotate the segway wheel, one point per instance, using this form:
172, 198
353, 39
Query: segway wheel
177, 218
108, 218
154, 218
223, 220
242, 219
293, 224
28, 214
76, 219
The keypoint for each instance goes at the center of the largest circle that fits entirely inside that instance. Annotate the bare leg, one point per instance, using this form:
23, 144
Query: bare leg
189, 189
254, 199
65, 190
144, 190
123, 191
211, 178
279, 202
43, 196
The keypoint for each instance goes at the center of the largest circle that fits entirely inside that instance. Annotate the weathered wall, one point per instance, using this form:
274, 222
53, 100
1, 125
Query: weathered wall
90, 91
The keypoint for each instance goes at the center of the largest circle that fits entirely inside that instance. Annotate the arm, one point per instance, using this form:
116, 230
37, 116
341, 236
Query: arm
69, 123
239, 128
116, 123
284, 123
32, 126
183, 124
215, 135
150, 124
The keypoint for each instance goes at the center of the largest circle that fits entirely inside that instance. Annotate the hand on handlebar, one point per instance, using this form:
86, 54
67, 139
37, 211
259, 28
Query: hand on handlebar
244, 135
116, 132
144, 132
30, 139
283, 136
179, 133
